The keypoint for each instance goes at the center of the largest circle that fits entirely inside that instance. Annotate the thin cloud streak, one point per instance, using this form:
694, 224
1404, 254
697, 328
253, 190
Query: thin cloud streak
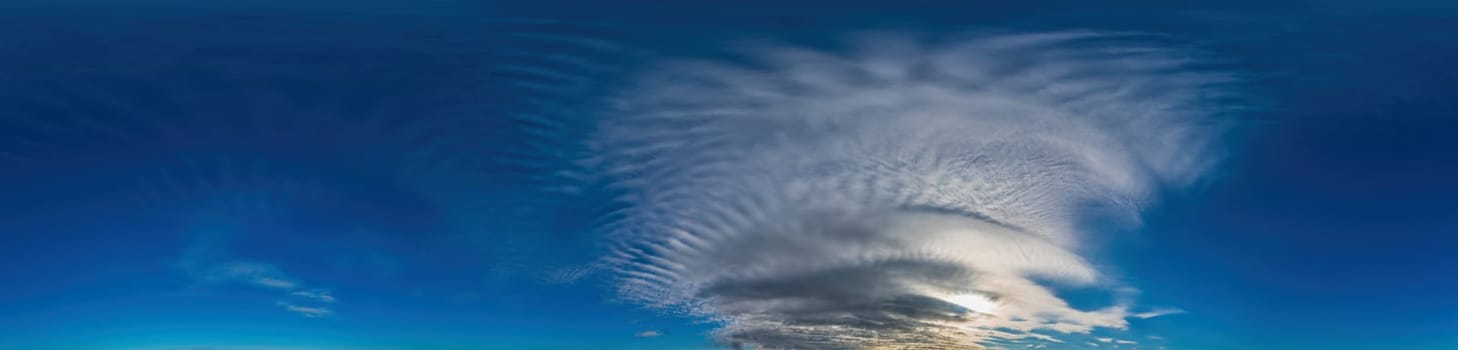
1158, 313
306, 311
315, 294
861, 199
267, 276
250, 273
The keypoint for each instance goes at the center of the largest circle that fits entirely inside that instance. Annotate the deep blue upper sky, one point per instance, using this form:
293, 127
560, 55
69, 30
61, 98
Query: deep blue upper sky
159, 159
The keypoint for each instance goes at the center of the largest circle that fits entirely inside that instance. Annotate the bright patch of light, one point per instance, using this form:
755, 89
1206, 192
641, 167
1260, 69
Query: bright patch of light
976, 302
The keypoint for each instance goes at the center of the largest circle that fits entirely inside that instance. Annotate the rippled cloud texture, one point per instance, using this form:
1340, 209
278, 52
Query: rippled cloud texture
902, 193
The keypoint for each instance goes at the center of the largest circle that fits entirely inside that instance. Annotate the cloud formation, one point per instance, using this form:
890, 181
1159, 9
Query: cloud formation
207, 261
306, 311
319, 295
268, 276
901, 194
250, 273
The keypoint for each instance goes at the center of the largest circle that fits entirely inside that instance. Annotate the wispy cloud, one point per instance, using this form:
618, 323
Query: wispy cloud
1114, 341
647, 334
899, 194
314, 294
267, 276
250, 273
1157, 313
306, 311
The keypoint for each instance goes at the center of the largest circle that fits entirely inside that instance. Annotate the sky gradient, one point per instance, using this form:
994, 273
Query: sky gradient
445, 174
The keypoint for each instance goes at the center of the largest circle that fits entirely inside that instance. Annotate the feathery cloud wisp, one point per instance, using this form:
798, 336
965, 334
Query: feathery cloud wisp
267, 276
306, 311
315, 294
900, 195
251, 273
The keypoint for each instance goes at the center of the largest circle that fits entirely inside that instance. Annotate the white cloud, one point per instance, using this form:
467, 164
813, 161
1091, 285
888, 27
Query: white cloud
647, 334
315, 294
847, 200
1158, 313
268, 276
306, 311
251, 273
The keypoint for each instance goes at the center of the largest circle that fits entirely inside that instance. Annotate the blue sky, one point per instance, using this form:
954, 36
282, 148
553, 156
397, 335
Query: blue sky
517, 175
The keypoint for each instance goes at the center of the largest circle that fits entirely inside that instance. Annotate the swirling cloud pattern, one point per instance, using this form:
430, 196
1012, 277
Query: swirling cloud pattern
902, 193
